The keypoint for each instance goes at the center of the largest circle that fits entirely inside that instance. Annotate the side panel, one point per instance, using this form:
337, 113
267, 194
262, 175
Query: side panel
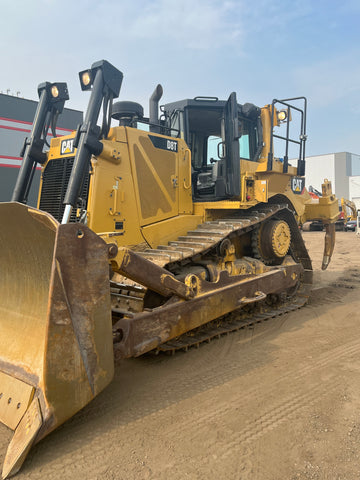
155, 178
155, 164
279, 185
112, 204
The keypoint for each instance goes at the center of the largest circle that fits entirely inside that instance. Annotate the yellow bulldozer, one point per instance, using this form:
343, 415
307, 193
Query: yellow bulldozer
345, 204
156, 234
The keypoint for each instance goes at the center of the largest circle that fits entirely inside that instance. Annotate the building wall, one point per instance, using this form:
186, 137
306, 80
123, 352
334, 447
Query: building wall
355, 164
16, 117
354, 179
342, 165
318, 168
342, 169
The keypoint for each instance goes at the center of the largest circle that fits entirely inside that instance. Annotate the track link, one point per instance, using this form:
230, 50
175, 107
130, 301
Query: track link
233, 322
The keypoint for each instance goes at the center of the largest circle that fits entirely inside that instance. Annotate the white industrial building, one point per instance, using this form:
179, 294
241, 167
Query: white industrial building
342, 169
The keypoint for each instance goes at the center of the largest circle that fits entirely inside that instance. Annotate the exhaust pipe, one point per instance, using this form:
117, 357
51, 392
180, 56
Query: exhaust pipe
154, 109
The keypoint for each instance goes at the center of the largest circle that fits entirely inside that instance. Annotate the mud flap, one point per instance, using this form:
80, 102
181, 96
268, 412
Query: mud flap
56, 349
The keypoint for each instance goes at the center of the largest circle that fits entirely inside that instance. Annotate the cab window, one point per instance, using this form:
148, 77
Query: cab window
212, 149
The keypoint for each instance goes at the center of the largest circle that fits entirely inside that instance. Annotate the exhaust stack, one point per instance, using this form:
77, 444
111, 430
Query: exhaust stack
154, 109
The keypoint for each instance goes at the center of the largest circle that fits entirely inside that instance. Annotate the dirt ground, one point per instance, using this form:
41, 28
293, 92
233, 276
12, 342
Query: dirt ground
280, 401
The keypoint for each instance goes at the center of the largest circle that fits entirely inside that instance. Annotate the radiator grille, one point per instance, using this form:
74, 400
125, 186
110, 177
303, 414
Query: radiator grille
55, 180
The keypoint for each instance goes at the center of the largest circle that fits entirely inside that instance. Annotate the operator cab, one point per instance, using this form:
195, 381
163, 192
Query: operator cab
219, 134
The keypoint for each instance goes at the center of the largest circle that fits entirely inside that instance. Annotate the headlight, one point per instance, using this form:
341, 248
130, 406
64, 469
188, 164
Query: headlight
54, 91
59, 91
86, 79
282, 115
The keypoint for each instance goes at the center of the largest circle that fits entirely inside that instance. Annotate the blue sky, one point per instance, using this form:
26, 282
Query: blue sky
260, 49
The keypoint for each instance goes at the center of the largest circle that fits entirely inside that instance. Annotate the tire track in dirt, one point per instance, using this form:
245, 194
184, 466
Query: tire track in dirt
210, 415
270, 418
291, 378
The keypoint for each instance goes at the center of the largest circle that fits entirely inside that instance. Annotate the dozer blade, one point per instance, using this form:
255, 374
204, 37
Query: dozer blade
56, 349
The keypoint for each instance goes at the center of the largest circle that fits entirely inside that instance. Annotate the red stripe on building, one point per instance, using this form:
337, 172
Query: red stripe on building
7, 165
16, 121
29, 131
14, 128
30, 123
7, 157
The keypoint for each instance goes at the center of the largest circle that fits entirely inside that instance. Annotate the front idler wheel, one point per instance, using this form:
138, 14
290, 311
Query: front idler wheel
273, 241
